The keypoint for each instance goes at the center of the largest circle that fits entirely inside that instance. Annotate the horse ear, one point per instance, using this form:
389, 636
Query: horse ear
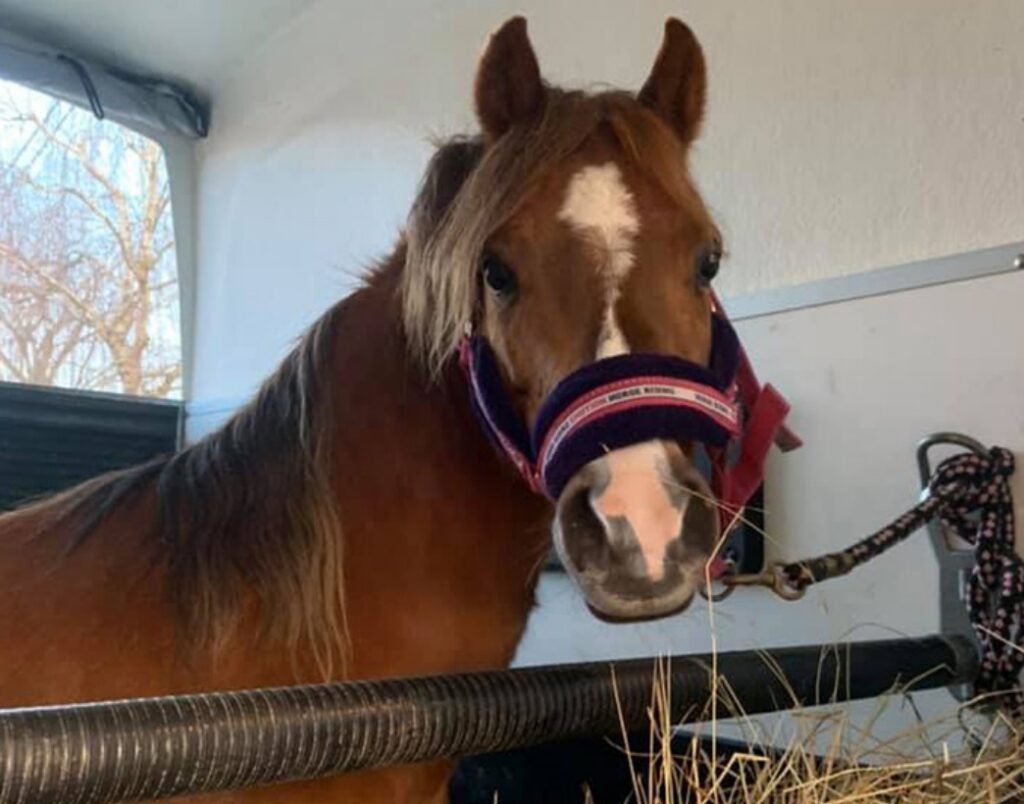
508, 87
676, 86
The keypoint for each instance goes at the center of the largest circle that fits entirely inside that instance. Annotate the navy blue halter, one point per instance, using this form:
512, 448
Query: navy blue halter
609, 404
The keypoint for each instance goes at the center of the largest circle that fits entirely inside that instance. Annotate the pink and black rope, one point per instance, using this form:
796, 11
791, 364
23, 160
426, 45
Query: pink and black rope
971, 495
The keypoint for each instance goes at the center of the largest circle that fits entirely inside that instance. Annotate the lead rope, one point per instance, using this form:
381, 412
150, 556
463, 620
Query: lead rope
970, 494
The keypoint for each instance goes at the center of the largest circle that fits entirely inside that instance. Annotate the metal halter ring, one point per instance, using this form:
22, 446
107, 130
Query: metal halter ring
714, 596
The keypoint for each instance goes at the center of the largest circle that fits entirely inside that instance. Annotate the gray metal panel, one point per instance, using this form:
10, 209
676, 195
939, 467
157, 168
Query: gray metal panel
911, 275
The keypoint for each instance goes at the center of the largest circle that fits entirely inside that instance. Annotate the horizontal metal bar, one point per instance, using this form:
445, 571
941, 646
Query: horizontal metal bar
158, 747
909, 276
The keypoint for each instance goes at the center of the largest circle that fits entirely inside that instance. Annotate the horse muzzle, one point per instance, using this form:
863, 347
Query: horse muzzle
635, 529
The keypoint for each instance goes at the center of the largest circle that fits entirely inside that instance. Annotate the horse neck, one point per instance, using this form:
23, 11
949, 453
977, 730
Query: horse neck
398, 423
427, 506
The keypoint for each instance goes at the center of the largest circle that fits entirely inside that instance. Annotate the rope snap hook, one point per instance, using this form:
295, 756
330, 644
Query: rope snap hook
772, 577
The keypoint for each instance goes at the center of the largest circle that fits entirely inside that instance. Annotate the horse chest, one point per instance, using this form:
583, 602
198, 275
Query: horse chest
451, 587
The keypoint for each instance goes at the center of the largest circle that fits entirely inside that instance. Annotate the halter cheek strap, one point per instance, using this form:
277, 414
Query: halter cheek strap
493, 408
734, 482
619, 401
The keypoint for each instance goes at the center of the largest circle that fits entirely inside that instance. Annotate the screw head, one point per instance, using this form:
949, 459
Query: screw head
1018, 262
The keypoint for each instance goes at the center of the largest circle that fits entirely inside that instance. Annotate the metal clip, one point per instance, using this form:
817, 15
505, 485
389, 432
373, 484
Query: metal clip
706, 590
771, 578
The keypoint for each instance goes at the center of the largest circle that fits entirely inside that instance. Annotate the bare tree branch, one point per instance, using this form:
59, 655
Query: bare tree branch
86, 255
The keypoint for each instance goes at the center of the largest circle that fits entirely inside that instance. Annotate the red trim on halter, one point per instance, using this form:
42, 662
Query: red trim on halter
767, 409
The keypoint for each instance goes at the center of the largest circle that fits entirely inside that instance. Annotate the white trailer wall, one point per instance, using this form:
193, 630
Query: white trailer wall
841, 136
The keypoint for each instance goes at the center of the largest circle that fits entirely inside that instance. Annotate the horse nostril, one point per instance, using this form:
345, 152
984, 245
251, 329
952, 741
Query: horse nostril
583, 536
700, 523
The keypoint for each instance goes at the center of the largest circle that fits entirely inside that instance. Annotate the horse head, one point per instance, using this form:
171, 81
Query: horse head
578, 243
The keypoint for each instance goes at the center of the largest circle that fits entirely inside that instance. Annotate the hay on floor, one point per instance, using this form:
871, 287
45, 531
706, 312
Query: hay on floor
819, 755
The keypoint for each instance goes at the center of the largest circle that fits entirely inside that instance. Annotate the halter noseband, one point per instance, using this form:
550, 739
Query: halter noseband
619, 401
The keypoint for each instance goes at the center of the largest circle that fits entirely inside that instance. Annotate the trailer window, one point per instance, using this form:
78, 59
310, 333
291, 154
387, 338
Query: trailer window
89, 294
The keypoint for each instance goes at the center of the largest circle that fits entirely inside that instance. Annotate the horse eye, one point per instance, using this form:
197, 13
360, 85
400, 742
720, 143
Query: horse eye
708, 264
498, 276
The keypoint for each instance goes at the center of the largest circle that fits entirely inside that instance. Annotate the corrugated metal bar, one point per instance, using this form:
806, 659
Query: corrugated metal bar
154, 748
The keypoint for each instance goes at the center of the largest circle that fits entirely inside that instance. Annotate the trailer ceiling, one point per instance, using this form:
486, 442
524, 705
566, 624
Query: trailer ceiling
191, 41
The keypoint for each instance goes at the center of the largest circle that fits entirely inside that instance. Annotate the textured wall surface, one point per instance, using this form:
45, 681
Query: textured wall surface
841, 136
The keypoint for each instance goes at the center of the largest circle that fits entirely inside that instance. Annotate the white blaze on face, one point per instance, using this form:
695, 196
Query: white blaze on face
600, 207
636, 492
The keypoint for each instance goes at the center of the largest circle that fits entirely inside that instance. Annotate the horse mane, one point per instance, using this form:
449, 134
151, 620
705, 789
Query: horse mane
249, 509
470, 191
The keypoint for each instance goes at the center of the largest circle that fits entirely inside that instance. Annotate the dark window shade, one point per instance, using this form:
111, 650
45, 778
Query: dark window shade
52, 439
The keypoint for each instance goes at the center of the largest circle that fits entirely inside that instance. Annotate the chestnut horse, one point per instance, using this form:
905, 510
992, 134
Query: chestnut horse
353, 520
